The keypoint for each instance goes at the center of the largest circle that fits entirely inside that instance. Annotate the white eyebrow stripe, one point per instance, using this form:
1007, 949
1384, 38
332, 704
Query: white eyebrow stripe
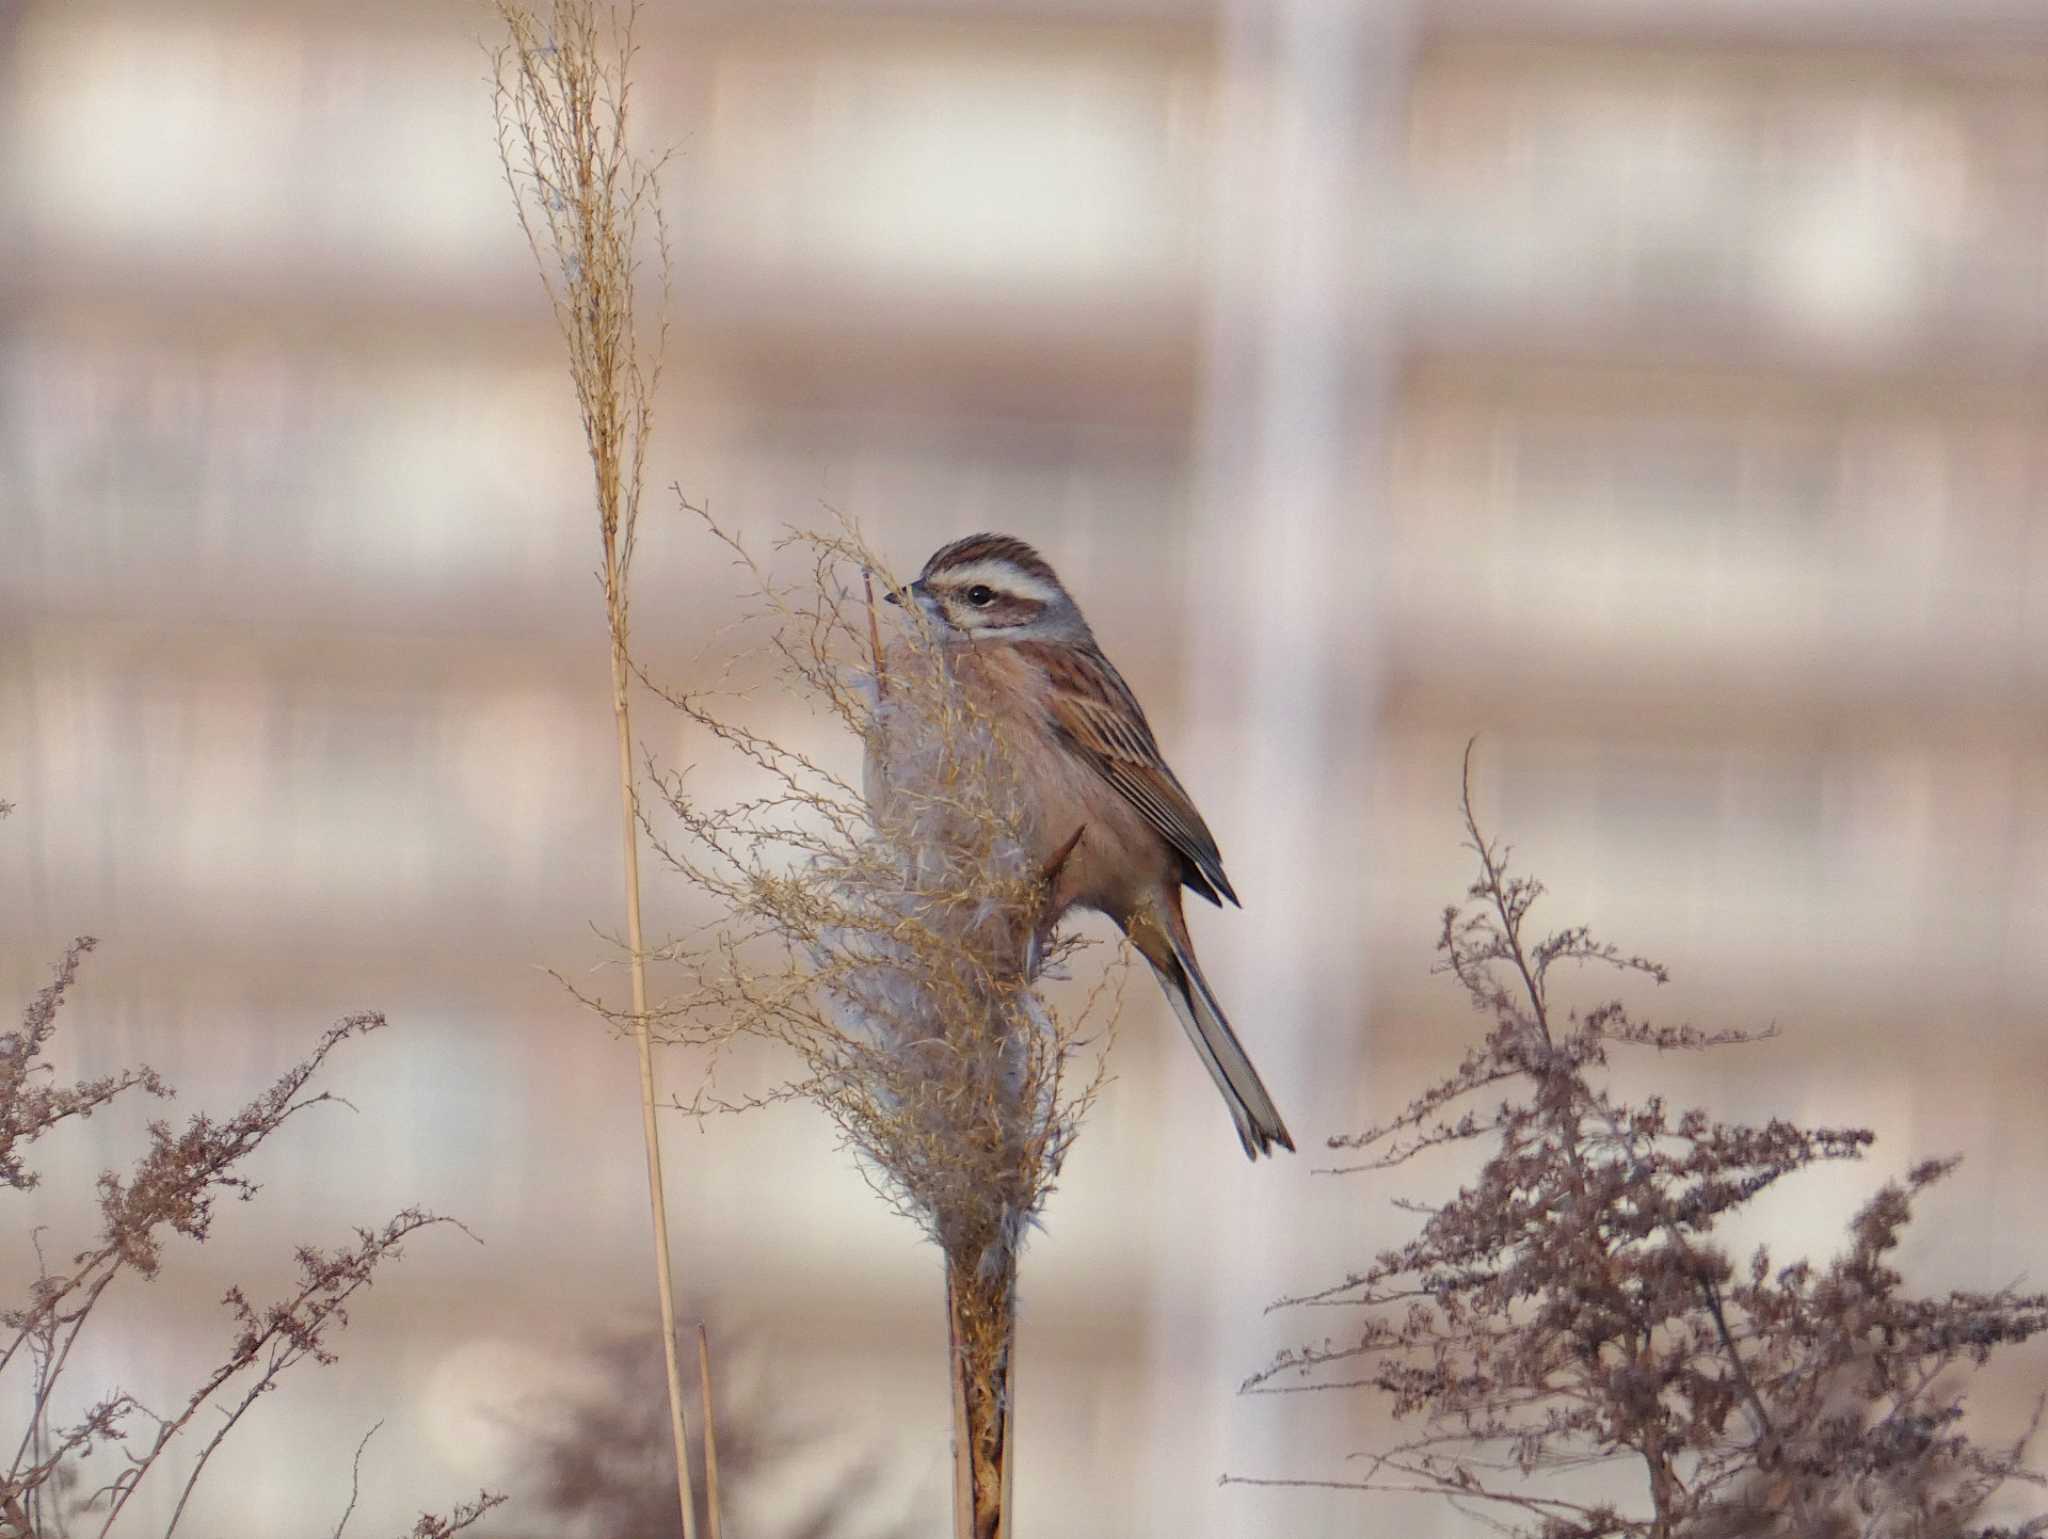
1003, 577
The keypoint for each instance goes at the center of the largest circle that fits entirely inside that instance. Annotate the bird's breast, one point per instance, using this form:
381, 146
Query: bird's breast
1118, 858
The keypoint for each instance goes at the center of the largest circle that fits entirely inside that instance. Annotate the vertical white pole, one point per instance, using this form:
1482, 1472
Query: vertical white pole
1281, 701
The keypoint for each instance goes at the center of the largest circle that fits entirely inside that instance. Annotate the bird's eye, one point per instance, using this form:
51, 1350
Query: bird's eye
981, 595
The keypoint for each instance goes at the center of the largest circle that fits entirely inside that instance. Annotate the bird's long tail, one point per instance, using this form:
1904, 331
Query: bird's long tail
1165, 945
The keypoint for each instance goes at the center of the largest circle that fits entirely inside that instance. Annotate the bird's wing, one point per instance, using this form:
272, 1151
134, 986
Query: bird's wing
1095, 711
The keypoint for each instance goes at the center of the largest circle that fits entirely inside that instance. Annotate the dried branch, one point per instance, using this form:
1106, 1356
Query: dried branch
171, 1188
1570, 1306
275, 1340
29, 1109
468, 1515
355, 1479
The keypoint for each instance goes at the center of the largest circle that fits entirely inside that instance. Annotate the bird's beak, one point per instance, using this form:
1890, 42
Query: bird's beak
916, 590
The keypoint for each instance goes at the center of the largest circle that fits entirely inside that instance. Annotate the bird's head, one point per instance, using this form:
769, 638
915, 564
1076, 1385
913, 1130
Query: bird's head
995, 587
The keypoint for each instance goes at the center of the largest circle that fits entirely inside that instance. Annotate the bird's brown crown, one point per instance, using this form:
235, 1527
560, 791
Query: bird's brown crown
978, 548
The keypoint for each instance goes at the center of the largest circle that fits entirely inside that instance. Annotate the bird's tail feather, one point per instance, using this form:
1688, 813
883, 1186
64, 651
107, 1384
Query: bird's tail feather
1259, 1127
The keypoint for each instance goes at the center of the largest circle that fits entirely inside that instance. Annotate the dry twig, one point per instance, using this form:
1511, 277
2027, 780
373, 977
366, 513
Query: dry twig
171, 1190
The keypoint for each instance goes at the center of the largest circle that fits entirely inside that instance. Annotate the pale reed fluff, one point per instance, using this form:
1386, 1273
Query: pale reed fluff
933, 987
970, 1055
891, 936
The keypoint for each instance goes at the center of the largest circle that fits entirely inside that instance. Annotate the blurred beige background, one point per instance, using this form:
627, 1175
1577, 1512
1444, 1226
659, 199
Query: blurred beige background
1655, 389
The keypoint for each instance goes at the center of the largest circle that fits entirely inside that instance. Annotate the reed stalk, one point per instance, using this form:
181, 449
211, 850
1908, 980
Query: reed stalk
711, 1511
562, 96
981, 1316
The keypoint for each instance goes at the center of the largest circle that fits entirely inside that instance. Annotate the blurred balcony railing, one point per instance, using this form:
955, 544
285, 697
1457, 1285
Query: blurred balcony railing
1805, 205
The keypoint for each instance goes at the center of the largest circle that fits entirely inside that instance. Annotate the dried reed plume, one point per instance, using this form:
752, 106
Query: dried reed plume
893, 941
562, 94
1569, 1309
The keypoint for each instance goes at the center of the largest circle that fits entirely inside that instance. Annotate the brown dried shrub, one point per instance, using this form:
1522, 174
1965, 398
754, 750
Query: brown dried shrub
1570, 1310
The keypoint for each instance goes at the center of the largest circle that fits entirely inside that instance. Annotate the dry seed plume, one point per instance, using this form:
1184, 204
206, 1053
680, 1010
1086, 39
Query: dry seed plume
894, 945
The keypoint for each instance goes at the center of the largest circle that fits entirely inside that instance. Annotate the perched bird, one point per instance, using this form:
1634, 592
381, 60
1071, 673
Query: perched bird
1109, 821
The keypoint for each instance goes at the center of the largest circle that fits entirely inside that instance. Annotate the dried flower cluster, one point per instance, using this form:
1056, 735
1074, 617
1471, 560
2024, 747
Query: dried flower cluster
171, 1190
597, 1460
892, 938
1569, 1310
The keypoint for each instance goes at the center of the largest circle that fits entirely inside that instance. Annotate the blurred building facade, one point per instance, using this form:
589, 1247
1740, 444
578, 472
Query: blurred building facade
1655, 391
